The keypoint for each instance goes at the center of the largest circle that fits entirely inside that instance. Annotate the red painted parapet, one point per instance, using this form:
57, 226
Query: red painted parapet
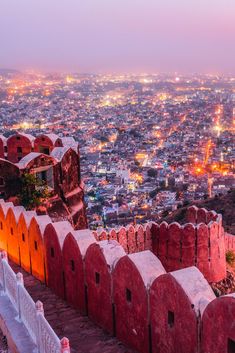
18, 146
203, 245
113, 234
11, 221
54, 236
155, 237
188, 238
174, 259
217, 261
3, 141
46, 143
23, 238
74, 250
197, 215
140, 238
191, 214
122, 238
203, 249
163, 237
36, 246
132, 238
176, 300
100, 261
132, 278
229, 241
218, 333
148, 237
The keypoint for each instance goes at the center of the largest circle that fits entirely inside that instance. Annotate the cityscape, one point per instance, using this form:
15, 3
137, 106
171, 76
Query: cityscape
117, 176
149, 144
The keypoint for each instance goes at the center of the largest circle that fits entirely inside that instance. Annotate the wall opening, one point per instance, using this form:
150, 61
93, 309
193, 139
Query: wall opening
11, 231
97, 278
52, 252
114, 319
86, 301
23, 237
231, 346
72, 265
128, 295
64, 286
44, 150
171, 318
35, 245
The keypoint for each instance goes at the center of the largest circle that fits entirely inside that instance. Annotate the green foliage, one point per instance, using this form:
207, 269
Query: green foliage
153, 193
152, 173
33, 191
230, 257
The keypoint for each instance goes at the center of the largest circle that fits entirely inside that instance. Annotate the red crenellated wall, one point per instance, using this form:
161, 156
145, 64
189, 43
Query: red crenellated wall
199, 244
134, 298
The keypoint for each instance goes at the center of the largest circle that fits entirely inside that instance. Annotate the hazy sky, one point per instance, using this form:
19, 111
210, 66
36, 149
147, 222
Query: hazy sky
118, 35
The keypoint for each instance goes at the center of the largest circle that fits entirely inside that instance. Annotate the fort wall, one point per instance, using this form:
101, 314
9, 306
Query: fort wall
152, 303
54, 161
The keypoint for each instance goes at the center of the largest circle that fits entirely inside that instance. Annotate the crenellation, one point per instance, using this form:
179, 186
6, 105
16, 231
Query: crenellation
53, 162
141, 289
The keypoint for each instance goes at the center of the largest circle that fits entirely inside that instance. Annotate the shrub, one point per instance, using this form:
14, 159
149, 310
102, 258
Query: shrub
230, 257
33, 191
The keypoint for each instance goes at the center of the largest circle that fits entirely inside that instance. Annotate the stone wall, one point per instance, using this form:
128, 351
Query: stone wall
52, 161
122, 285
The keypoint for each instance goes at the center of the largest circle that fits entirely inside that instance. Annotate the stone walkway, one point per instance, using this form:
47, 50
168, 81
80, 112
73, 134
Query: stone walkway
84, 336
3, 344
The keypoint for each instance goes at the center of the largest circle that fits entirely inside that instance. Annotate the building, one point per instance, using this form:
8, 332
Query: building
55, 164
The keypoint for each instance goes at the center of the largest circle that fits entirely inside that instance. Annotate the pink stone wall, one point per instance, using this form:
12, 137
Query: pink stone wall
138, 320
14, 143
74, 273
54, 262
168, 298
218, 332
131, 315
201, 245
98, 281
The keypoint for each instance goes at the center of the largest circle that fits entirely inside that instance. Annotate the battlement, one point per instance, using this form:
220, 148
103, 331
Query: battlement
131, 293
200, 243
17, 146
53, 160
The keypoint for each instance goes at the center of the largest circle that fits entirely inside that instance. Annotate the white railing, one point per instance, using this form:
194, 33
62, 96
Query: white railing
29, 313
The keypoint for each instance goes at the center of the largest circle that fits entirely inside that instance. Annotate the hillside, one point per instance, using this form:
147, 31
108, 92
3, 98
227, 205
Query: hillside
221, 204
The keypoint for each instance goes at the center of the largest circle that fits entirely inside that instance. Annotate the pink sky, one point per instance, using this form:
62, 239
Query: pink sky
118, 35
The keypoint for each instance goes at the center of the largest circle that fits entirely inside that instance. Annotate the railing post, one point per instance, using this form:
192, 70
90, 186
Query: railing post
20, 283
65, 348
40, 312
4, 260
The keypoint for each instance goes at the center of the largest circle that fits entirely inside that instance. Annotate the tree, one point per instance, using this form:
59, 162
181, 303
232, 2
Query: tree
152, 173
32, 191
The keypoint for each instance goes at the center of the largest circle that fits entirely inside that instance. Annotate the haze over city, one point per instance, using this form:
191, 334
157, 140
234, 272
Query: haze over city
121, 36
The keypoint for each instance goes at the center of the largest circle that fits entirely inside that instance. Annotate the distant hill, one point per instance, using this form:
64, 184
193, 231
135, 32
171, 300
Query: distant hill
6, 72
221, 204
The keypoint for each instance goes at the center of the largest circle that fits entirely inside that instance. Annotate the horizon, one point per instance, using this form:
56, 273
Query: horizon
32, 71
122, 37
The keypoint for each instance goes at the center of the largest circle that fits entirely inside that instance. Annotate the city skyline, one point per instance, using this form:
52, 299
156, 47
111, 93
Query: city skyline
124, 36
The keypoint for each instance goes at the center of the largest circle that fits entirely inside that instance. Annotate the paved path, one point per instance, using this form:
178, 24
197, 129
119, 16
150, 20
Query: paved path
84, 336
3, 344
